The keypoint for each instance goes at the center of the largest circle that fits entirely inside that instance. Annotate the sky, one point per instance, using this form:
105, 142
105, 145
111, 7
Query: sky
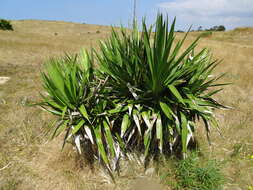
205, 13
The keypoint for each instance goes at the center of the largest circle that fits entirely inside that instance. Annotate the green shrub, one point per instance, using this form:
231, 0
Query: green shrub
145, 94
191, 174
162, 91
76, 95
5, 25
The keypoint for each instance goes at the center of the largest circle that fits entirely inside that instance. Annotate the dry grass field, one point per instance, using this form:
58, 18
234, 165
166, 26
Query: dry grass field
28, 160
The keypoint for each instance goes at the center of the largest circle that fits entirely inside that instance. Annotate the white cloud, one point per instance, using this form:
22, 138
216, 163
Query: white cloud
231, 13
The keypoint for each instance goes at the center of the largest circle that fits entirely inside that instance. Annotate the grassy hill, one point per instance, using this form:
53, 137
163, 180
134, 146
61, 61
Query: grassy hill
28, 160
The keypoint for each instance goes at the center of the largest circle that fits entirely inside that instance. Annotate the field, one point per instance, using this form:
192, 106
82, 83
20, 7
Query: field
29, 160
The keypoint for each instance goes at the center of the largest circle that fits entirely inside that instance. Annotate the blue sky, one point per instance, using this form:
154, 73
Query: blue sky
206, 13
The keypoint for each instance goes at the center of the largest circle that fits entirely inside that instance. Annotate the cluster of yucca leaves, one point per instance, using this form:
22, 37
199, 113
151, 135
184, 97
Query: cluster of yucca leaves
146, 94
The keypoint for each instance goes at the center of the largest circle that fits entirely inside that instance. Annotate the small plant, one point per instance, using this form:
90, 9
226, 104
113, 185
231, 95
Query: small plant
10, 184
191, 174
5, 25
237, 148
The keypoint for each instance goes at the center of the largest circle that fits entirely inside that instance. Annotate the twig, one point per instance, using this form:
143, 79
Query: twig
5, 166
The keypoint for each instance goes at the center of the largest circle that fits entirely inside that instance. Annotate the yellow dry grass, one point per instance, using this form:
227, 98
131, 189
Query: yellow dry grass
28, 160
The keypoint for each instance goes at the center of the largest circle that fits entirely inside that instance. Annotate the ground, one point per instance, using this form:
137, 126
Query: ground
29, 160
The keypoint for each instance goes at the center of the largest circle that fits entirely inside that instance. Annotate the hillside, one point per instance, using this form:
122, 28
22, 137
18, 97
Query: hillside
28, 160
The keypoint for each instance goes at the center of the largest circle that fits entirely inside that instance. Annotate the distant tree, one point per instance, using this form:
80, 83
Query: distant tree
221, 28
5, 25
217, 28
200, 28
214, 28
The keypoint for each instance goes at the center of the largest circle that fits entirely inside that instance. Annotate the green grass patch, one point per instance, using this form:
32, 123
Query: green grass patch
193, 173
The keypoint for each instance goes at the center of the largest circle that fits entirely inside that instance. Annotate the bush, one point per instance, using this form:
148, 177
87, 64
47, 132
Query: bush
217, 28
76, 96
5, 25
162, 91
191, 174
221, 28
144, 96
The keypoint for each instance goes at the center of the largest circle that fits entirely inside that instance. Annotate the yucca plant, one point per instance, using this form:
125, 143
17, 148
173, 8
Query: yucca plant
74, 94
146, 94
162, 90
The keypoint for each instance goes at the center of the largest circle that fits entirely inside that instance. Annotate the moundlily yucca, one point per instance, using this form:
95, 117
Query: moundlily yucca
165, 90
75, 96
145, 94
